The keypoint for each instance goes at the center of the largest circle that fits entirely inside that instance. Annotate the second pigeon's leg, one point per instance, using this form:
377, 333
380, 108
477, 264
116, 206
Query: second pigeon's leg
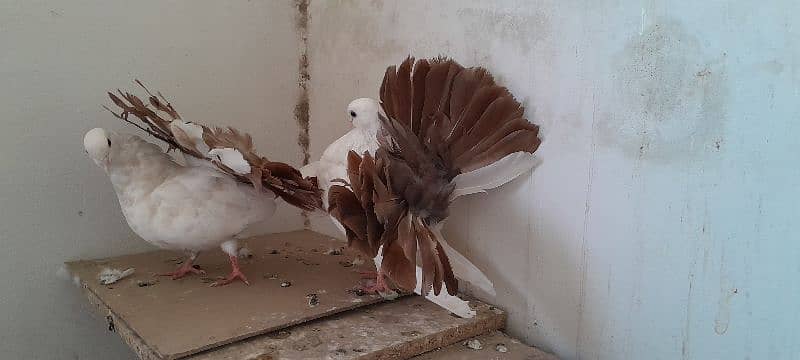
186, 268
379, 283
368, 274
231, 248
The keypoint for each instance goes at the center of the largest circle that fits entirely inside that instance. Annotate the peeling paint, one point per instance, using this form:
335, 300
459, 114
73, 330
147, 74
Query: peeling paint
301, 113
301, 109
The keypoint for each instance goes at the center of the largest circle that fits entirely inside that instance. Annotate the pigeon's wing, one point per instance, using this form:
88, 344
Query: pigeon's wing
442, 120
200, 203
230, 150
354, 207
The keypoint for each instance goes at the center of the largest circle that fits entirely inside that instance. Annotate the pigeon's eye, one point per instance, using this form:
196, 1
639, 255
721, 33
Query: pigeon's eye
109, 142
352, 113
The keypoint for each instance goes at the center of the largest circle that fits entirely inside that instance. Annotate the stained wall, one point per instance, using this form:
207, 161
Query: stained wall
661, 221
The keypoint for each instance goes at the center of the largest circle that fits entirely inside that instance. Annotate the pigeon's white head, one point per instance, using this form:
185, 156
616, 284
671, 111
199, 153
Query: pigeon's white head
363, 113
98, 146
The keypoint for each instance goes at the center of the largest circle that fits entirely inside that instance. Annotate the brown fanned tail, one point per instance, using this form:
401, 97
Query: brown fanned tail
156, 116
460, 120
441, 120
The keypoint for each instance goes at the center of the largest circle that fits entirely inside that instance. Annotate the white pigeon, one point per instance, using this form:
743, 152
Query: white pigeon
216, 198
332, 165
365, 140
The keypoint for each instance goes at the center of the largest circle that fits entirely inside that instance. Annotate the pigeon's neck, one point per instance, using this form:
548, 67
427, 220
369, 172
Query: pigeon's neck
138, 167
370, 132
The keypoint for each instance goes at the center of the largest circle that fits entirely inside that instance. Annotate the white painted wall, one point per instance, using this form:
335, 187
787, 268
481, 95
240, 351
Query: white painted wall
221, 62
660, 224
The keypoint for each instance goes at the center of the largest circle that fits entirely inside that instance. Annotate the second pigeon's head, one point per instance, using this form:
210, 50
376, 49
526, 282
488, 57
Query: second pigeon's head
98, 145
363, 113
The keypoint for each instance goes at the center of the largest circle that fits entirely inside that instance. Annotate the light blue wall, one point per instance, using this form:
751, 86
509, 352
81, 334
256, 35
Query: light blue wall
661, 222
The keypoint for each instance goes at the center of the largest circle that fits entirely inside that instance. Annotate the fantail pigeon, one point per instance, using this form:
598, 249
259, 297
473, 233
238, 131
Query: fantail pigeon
439, 132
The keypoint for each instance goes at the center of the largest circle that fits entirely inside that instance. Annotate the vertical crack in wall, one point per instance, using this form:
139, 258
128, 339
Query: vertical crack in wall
301, 109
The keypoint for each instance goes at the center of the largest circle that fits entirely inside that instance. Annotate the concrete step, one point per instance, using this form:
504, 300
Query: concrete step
492, 346
185, 319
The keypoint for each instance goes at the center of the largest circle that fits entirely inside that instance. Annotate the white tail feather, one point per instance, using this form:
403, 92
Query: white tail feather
493, 175
448, 302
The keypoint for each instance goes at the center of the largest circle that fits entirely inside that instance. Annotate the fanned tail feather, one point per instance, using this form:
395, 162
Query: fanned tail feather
451, 303
493, 175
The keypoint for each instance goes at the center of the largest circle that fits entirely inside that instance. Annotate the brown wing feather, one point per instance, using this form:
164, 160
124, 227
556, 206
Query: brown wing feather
280, 178
345, 207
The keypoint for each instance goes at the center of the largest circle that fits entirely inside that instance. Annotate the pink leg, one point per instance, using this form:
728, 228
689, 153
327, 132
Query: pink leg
184, 269
379, 285
368, 274
236, 273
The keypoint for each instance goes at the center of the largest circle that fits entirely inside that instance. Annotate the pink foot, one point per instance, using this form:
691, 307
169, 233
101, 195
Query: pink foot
185, 269
378, 282
368, 274
236, 273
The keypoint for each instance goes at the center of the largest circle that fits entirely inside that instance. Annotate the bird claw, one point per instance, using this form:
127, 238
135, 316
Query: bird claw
375, 289
368, 274
183, 271
378, 283
236, 274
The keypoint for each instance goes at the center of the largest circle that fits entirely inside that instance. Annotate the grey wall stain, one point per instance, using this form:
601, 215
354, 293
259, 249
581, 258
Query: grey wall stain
687, 327
774, 67
723, 318
668, 98
523, 29
358, 25
301, 19
377, 4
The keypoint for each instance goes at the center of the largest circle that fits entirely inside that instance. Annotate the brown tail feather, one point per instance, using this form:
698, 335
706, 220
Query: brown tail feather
421, 69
